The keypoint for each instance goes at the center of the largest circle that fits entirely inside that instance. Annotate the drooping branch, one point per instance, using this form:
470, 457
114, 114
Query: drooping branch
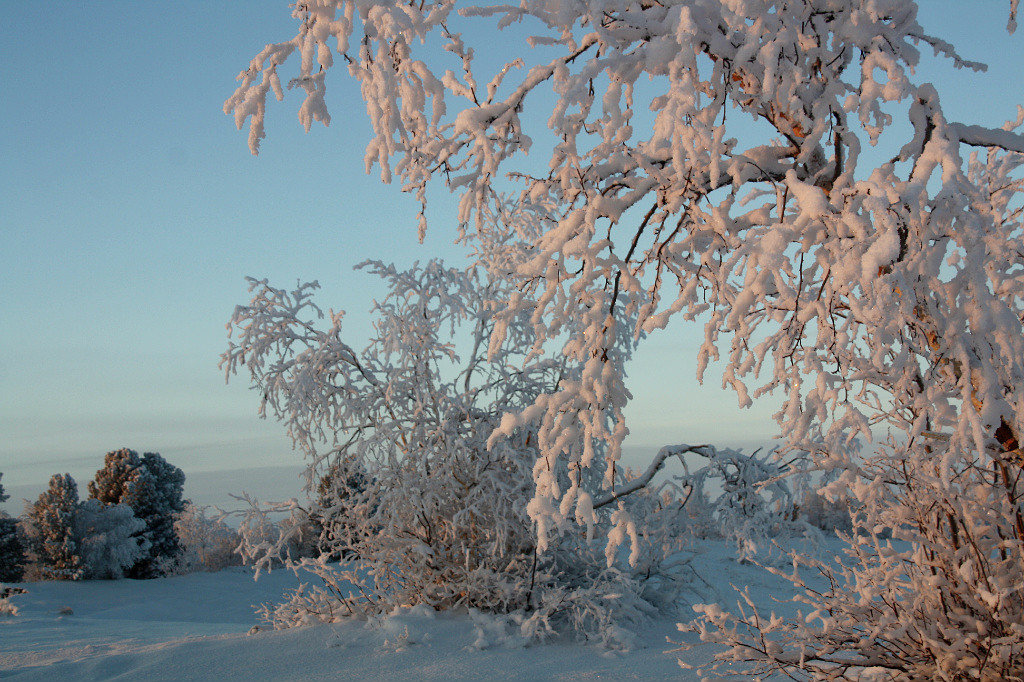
664, 454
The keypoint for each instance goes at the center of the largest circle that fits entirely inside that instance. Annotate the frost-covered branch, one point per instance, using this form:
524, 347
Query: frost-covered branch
408, 504
644, 479
868, 292
787, 236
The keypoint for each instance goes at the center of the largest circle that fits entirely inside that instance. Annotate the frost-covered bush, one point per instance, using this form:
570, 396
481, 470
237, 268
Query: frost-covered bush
932, 586
6, 607
829, 514
49, 529
745, 499
152, 488
110, 539
439, 517
207, 544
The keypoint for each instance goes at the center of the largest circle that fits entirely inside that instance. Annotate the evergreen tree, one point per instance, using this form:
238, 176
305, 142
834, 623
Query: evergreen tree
152, 488
12, 552
50, 530
109, 538
338, 495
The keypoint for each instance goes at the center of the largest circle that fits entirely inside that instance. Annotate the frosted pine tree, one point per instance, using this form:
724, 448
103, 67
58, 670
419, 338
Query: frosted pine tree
110, 539
152, 488
336, 491
163, 507
12, 552
49, 524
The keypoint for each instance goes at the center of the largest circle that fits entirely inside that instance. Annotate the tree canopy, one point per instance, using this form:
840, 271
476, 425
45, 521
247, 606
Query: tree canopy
778, 172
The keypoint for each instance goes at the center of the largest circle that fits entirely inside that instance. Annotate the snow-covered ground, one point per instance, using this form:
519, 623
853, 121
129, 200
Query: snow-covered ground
195, 628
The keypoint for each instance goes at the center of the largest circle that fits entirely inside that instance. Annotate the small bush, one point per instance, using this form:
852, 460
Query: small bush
417, 507
6, 607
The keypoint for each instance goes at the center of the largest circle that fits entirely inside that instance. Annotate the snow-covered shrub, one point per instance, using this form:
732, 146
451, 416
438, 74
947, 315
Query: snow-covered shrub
207, 544
6, 607
745, 499
153, 489
110, 539
438, 516
49, 530
932, 586
829, 514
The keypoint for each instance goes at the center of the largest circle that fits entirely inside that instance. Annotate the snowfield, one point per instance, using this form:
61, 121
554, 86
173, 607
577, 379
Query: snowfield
196, 627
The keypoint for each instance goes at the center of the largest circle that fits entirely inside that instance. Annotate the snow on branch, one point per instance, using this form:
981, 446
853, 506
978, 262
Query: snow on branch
979, 136
866, 295
655, 466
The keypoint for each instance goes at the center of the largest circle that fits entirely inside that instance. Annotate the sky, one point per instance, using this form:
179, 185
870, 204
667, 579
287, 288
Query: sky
131, 210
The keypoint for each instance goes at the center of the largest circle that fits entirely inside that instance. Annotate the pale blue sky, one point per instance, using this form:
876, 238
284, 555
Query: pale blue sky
131, 210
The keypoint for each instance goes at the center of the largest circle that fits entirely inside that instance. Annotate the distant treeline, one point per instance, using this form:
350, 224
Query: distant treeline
135, 523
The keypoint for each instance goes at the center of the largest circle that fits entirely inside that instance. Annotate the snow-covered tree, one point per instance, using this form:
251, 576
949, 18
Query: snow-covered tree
72, 540
829, 514
109, 538
152, 488
12, 552
710, 160
427, 512
207, 543
336, 492
49, 525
